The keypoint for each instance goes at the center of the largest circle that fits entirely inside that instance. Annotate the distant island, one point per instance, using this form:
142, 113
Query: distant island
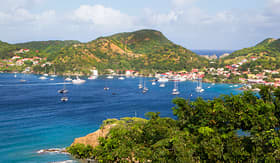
147, 52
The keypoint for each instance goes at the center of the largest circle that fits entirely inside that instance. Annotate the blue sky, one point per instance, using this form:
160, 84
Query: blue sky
194, 24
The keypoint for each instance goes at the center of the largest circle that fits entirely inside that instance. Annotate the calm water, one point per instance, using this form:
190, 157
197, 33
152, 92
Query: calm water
33, 118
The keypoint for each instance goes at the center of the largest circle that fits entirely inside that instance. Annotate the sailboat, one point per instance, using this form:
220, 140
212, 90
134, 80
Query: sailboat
64, 90
44, 75
78, 81
175, 89
140, 86
199, 86
145, 89
15, 75
54, 75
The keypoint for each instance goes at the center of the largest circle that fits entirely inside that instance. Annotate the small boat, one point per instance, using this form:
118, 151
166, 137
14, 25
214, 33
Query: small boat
43, 78
78, 81
51, 79
63, 91
46, 74
162, 85
140, 86
175, 92
154, 83
54, 74
162, 80
22, 80
110, 77
208, 87
121, 78
15, 75
64, 99
92, 77
68, 79
213, 84
175, 89
199, 86
235, 85
106, 88
144, 91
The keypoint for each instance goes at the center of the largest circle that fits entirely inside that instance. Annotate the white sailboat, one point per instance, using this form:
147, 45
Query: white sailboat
145, 89
54, 75
175, 89
199, 86
78, 81
140, 86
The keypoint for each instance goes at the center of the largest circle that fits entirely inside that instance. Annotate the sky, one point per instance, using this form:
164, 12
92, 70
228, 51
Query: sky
194, 24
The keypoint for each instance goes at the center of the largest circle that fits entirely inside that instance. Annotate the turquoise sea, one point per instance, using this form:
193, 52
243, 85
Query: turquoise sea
33, 117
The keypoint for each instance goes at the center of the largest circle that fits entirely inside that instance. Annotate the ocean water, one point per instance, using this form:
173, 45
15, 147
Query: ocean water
32, 117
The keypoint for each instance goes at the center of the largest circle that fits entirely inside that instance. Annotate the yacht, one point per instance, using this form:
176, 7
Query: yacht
78, 81
110, 77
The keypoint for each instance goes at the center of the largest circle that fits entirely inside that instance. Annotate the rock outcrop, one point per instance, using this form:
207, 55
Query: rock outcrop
92, 139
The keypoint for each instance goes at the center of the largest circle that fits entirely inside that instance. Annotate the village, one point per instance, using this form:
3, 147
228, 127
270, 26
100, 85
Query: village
227, 74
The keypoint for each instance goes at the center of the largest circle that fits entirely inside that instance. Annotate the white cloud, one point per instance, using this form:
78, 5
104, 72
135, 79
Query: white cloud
182, 3
154, 18
100, 15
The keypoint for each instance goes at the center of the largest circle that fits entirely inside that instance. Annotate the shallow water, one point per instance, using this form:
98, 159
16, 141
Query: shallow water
33, 117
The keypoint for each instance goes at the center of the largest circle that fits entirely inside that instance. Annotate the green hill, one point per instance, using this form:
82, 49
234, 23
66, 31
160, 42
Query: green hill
49, 49
146, 50
7, 50
267, 53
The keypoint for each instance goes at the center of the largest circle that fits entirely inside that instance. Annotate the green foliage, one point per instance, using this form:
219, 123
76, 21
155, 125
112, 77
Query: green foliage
81, 151
205, 131
7, 50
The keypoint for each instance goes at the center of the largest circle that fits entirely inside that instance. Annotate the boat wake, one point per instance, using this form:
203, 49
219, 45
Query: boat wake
53, 151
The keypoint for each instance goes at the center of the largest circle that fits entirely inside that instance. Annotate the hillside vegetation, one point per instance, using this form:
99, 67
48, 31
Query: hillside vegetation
267, 53
7, 50
141, 50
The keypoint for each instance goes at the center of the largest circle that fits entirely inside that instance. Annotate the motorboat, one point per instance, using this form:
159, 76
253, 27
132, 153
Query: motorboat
45, 74
163, 80
64, 99
78, 81
121, 78
43, 78
110, 77
162, 85
51, 79
92, 77
68, 79
106, 88
22, 80
140, 86
154, 83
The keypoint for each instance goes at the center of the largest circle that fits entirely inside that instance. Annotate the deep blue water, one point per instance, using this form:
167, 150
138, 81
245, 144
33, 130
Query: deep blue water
212, 52
33, 117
